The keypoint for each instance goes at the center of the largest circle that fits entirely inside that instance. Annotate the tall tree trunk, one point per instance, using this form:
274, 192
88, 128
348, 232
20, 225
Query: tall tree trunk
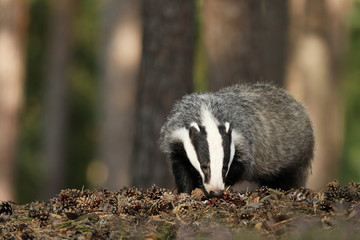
56, 94
315, 49
165, 75
121, 52
245, 41
13, 21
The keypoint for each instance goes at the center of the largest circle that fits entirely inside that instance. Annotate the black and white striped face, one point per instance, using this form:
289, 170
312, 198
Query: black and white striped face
210, 148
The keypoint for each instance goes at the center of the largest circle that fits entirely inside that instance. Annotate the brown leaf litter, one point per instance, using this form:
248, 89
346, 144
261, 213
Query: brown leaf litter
158, 213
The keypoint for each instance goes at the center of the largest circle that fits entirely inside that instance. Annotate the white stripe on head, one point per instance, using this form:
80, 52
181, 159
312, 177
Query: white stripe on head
182, 134
234, 137
216, 151
195, 125
232, 150
227, 127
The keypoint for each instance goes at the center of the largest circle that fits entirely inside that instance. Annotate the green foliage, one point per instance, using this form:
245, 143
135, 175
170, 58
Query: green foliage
83, 94
351, 160
29, 164
82, 103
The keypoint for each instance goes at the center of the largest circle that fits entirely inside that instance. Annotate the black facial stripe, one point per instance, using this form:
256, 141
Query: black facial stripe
226, 142
199, 141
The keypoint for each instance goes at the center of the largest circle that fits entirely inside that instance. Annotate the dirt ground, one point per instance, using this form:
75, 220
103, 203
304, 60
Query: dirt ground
156, 213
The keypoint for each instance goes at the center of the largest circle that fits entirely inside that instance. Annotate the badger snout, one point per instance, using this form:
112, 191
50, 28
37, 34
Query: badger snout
215, 190
217, 193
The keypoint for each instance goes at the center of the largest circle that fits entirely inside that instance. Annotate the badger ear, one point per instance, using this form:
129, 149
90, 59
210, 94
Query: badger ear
228, 127
194, 129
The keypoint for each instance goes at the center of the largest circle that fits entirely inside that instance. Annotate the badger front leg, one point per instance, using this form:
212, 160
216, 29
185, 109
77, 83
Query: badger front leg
186, 176
185, 179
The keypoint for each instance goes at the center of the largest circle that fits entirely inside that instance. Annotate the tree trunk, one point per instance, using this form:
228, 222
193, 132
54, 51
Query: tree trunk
121, 52
165, 75
245, 41
315, 49
56, 94
13, 21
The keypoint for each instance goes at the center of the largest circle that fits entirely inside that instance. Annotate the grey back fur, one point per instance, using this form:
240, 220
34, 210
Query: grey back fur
275, 129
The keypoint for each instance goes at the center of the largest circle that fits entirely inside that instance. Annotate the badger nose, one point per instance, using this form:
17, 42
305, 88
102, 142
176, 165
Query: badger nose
216, 193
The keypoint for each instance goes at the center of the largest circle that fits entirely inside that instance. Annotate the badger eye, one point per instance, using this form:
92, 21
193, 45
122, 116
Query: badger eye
205, 168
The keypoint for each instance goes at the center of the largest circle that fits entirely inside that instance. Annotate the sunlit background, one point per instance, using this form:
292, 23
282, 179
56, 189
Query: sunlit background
86, 85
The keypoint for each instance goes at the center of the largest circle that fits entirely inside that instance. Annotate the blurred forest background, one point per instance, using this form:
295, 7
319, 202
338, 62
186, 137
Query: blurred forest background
86, 85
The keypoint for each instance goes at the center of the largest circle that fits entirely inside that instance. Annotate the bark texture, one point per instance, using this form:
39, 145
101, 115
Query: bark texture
165, 75
245, 41
316, 46
121, 52
56, 94
13, 23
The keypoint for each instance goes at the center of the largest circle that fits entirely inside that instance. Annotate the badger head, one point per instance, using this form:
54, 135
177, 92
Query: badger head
210, 148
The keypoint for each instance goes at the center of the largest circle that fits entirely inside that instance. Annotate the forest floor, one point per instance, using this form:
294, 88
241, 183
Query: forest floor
156, 213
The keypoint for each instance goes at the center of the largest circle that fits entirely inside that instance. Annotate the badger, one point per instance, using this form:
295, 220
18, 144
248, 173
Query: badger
252, 132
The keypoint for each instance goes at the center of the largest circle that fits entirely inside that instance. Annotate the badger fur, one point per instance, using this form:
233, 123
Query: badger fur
257, 133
